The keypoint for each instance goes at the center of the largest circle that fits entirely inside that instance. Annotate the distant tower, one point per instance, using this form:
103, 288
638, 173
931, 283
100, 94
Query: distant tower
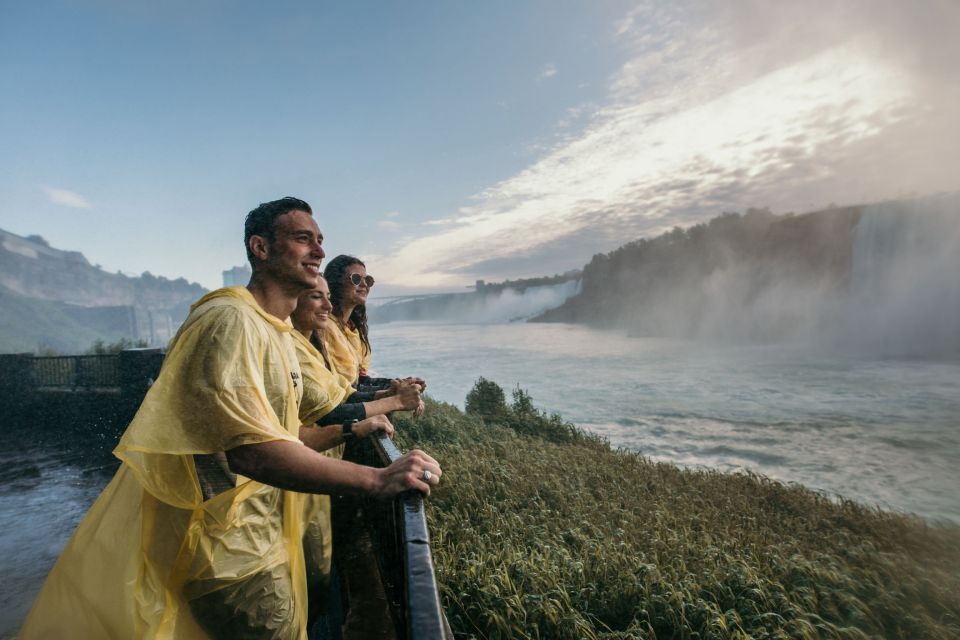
237, 276
480, 285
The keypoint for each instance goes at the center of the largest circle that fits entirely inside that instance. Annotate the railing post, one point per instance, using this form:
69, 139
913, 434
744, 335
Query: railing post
16, 374
16, 384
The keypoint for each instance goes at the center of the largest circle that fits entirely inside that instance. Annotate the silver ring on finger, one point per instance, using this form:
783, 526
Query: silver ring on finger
426, 475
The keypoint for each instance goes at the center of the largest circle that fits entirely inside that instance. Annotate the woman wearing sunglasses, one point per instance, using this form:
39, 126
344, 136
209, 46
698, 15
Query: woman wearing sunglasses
347, 341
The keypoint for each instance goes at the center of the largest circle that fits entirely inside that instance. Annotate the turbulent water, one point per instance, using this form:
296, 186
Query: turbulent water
883, 432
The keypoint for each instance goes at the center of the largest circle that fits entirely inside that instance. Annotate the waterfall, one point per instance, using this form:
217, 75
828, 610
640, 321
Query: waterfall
510, 305
487, 306
904, 291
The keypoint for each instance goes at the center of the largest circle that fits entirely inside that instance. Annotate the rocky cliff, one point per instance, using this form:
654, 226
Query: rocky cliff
108, 305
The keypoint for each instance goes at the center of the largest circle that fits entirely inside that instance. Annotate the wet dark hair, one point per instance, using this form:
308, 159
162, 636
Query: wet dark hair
335, 274
262, 221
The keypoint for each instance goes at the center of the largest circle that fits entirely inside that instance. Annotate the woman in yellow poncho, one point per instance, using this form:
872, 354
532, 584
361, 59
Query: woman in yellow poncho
310, 318
347, 337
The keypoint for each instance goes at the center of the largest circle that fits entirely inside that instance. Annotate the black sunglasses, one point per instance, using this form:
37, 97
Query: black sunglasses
356, 279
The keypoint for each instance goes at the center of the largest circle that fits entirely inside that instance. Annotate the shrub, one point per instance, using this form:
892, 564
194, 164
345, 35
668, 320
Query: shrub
487, 401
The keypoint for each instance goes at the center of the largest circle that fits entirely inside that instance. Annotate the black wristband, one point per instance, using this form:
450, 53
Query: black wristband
347, 430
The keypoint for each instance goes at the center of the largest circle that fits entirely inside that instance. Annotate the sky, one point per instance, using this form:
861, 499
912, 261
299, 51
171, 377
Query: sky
445, 142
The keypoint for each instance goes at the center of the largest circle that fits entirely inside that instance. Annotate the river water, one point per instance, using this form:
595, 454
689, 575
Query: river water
880, 431
883, 432
49, 477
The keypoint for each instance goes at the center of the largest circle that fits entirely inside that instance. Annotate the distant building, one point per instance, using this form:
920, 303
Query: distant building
237, 276
480, 285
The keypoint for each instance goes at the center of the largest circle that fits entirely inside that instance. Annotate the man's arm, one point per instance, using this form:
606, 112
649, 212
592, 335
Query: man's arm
293, 466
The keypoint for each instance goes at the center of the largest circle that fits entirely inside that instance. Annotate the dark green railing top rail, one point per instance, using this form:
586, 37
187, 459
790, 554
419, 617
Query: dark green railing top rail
424, 615
401, 542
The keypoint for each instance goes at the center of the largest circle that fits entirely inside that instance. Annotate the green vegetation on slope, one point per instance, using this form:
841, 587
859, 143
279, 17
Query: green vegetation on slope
31, 325
541, 531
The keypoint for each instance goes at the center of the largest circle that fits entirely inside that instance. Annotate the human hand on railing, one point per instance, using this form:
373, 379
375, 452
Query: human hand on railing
413, 470
375, 424
419, 381
409, 395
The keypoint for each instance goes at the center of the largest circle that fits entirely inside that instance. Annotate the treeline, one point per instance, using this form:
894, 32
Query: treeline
521, 284
688, 281
37, 270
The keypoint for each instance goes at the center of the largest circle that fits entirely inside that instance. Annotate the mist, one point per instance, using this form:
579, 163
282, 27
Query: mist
895, 293
483, 307
904, 293
511, 305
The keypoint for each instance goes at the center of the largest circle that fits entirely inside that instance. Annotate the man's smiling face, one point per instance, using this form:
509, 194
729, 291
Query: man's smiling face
295, 253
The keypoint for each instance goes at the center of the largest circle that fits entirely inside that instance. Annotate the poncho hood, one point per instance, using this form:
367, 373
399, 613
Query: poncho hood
242, 294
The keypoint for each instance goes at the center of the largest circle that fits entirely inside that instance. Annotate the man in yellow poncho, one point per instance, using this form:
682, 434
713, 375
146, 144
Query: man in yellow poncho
167, 553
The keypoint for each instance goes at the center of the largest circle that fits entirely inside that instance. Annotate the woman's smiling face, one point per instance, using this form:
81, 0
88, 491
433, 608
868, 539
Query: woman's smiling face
313, 308
355, 294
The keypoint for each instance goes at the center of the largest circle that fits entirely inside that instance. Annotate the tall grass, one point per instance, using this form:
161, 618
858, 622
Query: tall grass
542, 531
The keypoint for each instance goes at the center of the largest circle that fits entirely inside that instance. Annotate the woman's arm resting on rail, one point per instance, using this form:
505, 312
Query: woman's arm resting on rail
326, 437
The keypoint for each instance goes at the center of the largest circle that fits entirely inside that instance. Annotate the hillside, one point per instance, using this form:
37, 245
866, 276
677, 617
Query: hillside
31, 325
542, 531
876, 276
57, 300
620, 287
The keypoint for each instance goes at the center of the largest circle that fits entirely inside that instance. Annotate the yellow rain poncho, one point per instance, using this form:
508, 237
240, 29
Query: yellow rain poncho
323, 390
153, 558
348, 355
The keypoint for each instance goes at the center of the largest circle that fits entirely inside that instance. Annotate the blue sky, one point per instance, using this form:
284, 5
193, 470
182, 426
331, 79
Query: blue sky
448, 141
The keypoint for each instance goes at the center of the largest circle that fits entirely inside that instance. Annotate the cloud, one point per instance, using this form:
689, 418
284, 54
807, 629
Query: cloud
440, 221
719, 111
548, 71
67, 198
389, 220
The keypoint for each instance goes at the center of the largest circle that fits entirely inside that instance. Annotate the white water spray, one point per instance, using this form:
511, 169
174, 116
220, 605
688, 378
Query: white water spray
904, 293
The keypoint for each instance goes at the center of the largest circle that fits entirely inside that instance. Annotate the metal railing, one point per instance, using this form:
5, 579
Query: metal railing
98, 371
402, 542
